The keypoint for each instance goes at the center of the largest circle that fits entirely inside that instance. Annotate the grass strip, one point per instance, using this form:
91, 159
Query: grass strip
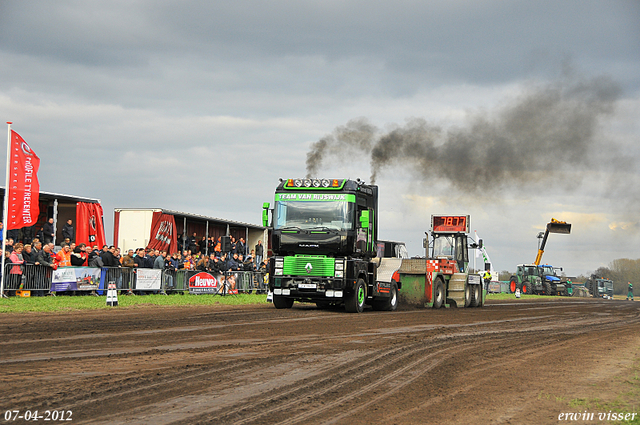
87, 302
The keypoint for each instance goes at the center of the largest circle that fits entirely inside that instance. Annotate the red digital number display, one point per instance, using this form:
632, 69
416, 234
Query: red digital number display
450, 223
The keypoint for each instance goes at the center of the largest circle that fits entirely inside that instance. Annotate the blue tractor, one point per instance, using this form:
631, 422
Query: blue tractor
552, 284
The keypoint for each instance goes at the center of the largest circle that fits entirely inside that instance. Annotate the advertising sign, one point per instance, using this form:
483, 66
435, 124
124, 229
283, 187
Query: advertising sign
149, 279
203, 283
75, 279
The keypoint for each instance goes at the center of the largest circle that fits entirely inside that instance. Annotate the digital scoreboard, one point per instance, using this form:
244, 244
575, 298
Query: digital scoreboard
450, 223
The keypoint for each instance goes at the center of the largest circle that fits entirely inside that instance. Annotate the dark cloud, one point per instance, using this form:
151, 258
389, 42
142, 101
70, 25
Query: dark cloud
483, 42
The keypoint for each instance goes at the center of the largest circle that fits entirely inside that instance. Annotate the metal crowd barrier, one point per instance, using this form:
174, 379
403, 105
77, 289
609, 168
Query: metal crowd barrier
28, 277
39, 280
123, 277
249, 281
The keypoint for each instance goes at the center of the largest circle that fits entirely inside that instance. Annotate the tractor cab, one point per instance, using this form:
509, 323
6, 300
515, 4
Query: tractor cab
452, 247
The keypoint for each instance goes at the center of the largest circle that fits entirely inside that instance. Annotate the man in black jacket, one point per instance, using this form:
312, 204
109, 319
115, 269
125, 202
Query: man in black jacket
223, 263
68, 231
139, 258
193, 243
108, 259
44, 256
48, 231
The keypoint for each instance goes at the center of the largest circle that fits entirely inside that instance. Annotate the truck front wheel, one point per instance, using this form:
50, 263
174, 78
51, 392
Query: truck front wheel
282, 302
354, 302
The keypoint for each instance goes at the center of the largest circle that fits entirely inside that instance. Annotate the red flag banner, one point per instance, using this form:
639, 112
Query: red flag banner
89, 227
163, 233
24, 189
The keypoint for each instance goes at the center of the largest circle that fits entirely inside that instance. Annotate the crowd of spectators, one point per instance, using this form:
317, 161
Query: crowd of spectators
203, 254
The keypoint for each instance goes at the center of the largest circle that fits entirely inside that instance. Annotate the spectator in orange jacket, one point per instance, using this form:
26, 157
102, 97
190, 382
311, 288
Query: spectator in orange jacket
63, 257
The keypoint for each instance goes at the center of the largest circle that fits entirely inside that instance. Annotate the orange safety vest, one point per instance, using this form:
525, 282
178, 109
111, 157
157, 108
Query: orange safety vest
63, 259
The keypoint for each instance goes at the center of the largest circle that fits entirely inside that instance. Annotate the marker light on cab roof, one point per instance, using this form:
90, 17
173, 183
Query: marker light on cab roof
313, 183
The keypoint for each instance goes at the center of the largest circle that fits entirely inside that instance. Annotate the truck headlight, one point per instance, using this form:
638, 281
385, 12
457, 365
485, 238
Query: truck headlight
278, 267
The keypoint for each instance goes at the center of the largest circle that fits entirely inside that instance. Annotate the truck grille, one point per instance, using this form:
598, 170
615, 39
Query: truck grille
302, 265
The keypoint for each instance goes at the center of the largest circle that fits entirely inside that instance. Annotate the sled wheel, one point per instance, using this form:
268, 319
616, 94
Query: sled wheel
438, 295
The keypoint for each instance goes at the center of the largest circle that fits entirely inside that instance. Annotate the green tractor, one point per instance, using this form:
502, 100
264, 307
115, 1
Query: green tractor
527, 279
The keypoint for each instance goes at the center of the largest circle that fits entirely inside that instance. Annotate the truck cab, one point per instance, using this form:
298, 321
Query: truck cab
599, 287
328, 217
324, 239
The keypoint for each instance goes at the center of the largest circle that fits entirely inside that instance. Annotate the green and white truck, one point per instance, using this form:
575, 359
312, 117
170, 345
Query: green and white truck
325, 246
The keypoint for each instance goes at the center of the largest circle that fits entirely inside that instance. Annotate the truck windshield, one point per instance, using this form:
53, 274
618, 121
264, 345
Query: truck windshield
337, 215
607, 284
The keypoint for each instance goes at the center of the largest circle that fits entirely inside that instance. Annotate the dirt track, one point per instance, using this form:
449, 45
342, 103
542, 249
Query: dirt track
505, 363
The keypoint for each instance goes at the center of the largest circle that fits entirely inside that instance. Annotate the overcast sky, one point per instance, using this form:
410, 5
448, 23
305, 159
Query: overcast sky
201, 106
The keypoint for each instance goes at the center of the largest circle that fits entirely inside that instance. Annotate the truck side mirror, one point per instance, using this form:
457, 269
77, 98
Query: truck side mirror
480, 243
424, 243
364, 219
265, 214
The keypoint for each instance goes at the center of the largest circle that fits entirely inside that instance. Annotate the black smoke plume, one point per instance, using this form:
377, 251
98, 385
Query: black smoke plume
548, 132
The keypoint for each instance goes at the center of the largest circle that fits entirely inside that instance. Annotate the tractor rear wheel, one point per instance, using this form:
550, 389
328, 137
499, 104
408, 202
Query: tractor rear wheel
513, 285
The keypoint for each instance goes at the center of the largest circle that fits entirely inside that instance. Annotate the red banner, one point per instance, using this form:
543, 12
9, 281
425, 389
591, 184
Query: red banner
89, 226
163, 233
24, 189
